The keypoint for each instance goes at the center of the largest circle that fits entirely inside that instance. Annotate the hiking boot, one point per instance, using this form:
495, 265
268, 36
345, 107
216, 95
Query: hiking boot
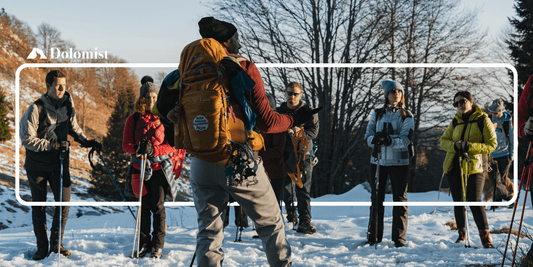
157, 253
462, 236
62, 250
398, 244
40, 254
306, 227
145, 249
485, 239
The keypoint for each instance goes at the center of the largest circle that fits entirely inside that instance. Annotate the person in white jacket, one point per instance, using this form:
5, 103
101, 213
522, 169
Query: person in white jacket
388, 134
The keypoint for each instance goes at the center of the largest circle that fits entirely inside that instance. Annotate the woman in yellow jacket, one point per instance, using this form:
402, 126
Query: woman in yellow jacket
465, 139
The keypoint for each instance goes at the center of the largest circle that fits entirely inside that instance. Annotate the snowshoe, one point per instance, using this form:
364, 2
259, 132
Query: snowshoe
306, 227
300, 145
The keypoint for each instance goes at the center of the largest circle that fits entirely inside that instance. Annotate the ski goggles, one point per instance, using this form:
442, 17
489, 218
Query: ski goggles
460, 102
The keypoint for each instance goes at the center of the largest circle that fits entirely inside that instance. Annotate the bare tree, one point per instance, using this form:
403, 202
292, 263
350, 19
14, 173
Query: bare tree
358, 31
48, 36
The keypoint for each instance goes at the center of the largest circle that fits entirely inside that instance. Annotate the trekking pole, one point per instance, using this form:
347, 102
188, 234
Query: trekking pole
524, 170
464, 181
61, 159
438, 194
137, 236
112, 178
522, 216
375, 197
193, 257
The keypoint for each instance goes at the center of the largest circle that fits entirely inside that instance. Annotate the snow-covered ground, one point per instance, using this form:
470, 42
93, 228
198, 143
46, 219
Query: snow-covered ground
106, 240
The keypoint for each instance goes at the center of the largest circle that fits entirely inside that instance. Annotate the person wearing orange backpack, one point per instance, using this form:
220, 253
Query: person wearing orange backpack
214, 181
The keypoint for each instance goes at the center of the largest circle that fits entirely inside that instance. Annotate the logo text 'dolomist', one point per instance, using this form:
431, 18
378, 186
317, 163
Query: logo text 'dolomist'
56, 53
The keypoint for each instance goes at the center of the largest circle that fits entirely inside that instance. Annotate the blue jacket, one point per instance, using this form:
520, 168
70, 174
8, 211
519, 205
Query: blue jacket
505, 145
397, 153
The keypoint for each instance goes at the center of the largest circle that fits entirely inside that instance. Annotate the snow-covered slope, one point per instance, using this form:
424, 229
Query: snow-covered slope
106, 240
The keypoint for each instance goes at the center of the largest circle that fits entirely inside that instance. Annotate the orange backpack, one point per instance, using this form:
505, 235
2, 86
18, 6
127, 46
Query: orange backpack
207, 121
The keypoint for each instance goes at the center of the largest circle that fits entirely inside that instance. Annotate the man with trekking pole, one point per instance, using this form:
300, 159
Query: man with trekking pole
44, 129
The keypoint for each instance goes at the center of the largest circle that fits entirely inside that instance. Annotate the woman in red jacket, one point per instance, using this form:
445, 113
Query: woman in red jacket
144, 134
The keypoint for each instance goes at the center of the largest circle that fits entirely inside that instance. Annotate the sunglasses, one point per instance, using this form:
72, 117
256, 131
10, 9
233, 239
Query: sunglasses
292, 94
460, 102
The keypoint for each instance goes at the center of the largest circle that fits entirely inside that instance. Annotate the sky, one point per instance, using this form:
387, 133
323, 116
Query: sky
156, 31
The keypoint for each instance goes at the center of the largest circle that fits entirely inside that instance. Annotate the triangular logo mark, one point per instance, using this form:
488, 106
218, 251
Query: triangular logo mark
34, 53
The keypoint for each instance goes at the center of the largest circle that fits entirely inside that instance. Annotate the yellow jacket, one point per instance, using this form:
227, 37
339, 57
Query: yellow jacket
473, 136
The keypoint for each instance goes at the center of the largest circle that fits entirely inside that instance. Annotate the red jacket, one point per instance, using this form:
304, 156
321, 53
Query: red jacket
272, 155
522, 108
147, 127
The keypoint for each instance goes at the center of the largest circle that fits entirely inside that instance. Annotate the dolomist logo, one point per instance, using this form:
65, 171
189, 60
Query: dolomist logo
56, 53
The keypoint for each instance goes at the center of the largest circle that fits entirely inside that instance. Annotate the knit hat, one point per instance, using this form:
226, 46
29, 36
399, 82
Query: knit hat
147, 78
497, 106
147, 88
216, 29
388, 85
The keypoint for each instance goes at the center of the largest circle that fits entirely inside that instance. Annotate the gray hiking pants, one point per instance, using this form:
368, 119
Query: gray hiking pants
211, 193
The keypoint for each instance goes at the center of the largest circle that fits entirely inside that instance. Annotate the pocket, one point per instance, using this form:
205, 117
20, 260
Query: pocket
204, 112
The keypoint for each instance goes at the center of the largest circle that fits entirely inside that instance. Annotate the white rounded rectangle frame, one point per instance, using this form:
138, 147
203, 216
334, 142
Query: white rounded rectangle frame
259, 65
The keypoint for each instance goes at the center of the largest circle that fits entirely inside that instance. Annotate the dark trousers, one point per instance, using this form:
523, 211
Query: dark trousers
38, 181
278, 185
398, 178
303, 196
153, 205
474, 188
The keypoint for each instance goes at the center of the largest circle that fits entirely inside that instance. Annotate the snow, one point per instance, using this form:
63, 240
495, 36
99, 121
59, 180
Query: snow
106, 240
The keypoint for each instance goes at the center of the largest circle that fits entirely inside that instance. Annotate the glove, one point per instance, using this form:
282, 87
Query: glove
63, 145
302, 115
528, 129
145, 147
174, 114
93, 143
382, 138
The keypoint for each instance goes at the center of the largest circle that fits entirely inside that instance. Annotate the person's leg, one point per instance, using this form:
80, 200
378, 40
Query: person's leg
303, 196
383, 174
157, 193
277, 186
288, 198
504, 163
398, 178
210, 201
259, 202
38, 182
473, 193
54, 185
454, 180
145, 240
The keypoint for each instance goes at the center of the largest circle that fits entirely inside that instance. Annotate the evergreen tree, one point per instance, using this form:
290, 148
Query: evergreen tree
5, 133
521, 41
116, 159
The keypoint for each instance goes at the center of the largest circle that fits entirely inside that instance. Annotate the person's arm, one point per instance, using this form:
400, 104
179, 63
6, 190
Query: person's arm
168, 96
311, 128
511, 138
371, 129
523, 116
446, 142
128, 141
268, 121
29, 123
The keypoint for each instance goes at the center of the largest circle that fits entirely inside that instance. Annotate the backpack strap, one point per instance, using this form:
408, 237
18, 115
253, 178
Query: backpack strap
480, 125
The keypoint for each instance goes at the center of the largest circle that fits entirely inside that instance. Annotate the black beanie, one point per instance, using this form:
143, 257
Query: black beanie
147, 78
216, 29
